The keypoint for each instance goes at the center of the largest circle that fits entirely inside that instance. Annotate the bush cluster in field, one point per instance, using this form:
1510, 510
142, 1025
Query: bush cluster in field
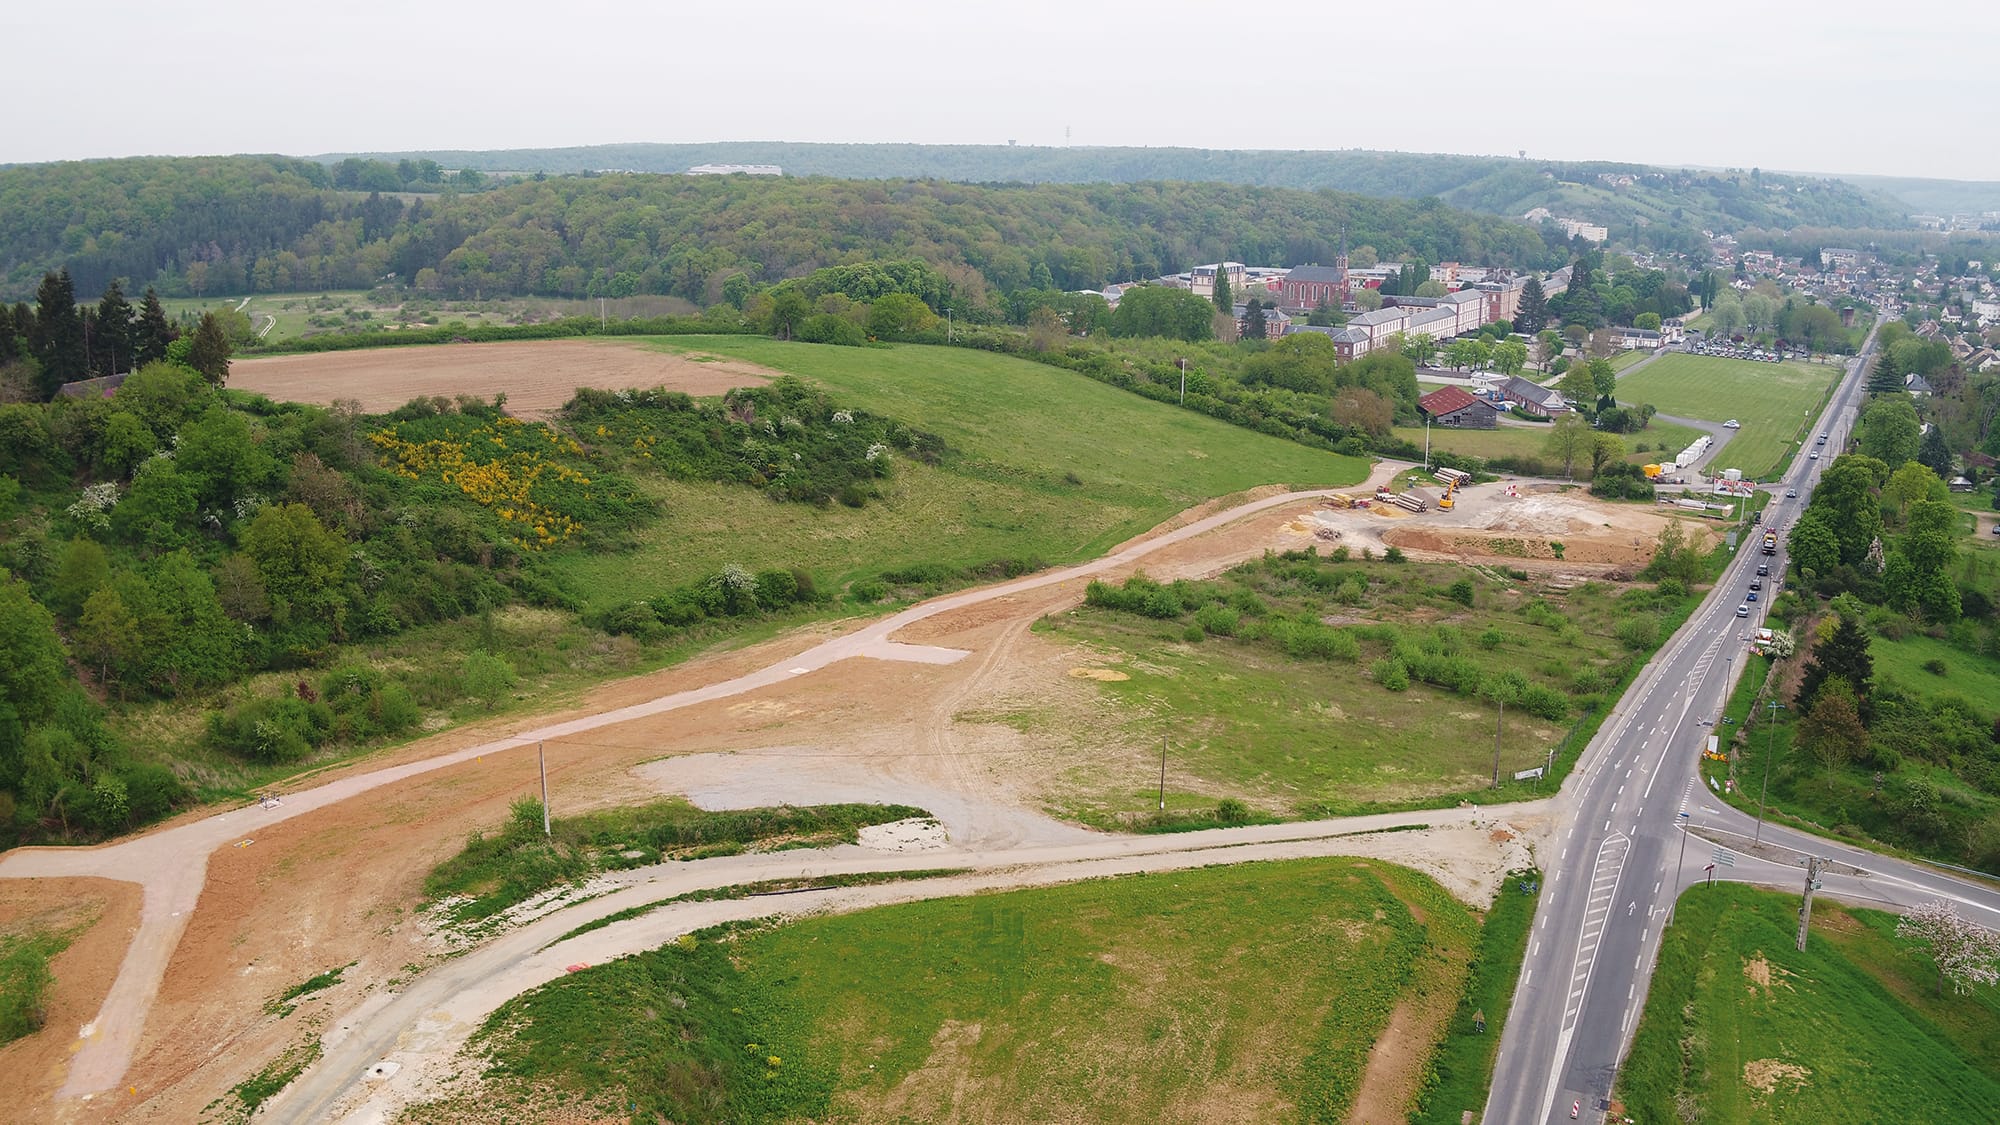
529, 477
786, 439
495, 872
1279, 602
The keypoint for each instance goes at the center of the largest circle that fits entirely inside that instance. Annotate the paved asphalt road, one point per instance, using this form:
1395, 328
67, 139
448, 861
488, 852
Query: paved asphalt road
1620, 851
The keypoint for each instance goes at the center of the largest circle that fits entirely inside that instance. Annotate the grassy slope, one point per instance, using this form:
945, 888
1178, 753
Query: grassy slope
1253, 991
1774, 401
1018, 429
1855, 1010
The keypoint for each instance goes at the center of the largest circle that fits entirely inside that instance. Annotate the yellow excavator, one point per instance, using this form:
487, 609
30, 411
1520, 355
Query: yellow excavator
1445, 503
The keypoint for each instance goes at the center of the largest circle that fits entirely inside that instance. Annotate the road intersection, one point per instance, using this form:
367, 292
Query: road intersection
1622, 853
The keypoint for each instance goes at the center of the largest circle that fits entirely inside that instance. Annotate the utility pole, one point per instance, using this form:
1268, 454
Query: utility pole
1163, 773
542, 764
947, 324
1183, 380
1813, 864
1496, 742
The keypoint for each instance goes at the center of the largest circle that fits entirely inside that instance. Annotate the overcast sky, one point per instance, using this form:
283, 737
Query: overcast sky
1814, 85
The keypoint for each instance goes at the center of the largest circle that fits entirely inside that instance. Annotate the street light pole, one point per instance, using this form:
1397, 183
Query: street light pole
1770, 741
1183, 380
1497, 723
1677, 870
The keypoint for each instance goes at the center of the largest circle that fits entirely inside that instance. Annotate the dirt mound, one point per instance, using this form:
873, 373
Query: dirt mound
537, 376
1764, 1075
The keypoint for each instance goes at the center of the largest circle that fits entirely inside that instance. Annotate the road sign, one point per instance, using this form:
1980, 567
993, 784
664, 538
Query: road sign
1528, 775
1724, 858
1713, 742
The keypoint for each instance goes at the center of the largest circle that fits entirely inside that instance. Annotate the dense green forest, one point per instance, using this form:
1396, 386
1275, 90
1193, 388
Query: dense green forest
229, 225
1660, 207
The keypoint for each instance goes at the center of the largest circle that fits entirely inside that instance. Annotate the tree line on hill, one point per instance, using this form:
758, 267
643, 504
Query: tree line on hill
1661, 208
262, 224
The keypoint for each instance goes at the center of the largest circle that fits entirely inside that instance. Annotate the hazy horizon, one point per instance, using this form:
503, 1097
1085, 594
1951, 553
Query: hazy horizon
1840, 87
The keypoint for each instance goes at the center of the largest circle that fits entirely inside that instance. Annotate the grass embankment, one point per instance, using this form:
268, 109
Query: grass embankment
1740, 1026
1777, 403
1661, 439
1461, 1071
1252, 992
1045, 465
517, 862
1315, 685
25, 978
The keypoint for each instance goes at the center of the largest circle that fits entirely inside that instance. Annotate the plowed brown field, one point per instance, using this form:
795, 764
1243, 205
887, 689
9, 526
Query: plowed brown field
537, 376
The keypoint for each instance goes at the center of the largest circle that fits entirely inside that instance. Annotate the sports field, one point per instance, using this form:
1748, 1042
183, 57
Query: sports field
1775, 402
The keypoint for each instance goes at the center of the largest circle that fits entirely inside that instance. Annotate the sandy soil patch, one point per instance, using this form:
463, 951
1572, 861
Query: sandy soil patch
82, 972
1105, 675
1762, 974
1765, 1074
537, 376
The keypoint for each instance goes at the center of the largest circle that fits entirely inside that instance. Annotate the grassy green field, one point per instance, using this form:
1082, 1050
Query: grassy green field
1776, 402
1317, 735
1251, 992
1741, 1027
1046, 464
1660, 438
1625, 359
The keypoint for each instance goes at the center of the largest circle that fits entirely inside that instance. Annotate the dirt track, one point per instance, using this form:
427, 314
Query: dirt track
329, 877
537, 376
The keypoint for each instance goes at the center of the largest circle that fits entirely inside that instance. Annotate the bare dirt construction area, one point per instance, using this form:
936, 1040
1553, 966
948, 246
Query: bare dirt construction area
1519, 524
286, 899
537, 376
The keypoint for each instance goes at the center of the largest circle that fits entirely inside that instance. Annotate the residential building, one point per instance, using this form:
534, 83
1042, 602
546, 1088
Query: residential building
1201, 279
736, 170
1838, 258
1533, 398
1454, 406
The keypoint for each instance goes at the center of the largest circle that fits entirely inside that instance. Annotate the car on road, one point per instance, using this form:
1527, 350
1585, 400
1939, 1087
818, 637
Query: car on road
1751, 596
1791, 494
1756, 585
1822, 440
1815, 454
1743, 611
1733, 424
1763, 570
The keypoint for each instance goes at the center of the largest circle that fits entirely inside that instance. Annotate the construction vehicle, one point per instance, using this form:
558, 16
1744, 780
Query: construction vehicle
1652, 472
1343, 500
1453, 479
